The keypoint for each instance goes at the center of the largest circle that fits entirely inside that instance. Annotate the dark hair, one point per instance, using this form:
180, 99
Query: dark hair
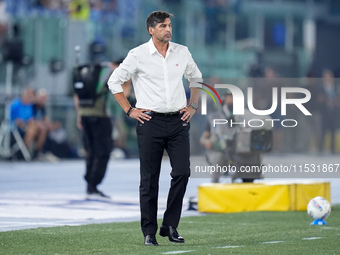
156, 17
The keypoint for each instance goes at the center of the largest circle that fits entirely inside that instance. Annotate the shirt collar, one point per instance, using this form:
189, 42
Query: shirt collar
152, 47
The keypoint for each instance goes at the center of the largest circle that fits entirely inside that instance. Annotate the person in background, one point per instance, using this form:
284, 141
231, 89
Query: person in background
3, 21
79, 10
329, 108
40, 111
22, 114
96, 129
271, 80
211, 139
123, 124
309, 128
56, 142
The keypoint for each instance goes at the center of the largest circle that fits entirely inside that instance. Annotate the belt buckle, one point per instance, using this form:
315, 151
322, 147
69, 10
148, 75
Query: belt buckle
166, 114
170, 114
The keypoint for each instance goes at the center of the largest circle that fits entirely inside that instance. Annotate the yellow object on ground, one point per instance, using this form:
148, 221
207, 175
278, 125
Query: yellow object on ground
246, 197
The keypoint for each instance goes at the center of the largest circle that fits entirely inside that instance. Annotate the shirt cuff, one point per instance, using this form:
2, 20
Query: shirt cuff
115, 88
195, 83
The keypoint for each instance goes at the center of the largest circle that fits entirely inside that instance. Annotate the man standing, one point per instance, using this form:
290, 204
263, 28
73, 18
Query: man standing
157, 68
96, 125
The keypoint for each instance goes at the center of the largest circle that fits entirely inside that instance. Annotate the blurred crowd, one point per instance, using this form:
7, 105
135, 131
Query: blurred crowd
76, 9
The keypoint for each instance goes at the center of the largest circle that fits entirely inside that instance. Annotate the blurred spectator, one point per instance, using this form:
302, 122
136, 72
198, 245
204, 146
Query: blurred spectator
255, 71
271, 81
48, 4
41, 4
109, 5
294, 138
19, 7
39, 106
96, 8
329, 109
96, 4
215, 12
79, 10
310, 126
124, 125
22, 114
3, 21
56, 4
214, 139
56, 142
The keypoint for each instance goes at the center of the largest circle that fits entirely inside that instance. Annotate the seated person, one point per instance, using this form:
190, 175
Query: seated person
39, 112
22, 114
56, 144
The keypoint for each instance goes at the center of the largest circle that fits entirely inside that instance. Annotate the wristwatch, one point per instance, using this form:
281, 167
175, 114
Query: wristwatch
194, 106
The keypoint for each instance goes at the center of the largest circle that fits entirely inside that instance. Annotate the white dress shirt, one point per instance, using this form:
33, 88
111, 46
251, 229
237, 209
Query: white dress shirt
157, 81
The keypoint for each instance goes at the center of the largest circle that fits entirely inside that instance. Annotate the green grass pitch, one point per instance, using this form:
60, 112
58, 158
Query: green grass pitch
236, 233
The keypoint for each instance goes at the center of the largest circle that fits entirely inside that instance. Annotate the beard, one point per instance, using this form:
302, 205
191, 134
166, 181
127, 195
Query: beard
165, 39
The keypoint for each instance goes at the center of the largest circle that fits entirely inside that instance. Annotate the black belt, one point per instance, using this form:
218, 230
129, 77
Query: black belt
166, 114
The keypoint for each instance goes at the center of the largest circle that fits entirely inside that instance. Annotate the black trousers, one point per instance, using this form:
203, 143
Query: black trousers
98, 145
172, 134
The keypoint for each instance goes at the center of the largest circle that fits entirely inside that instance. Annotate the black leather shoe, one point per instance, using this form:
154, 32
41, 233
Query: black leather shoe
172, 233
150, 240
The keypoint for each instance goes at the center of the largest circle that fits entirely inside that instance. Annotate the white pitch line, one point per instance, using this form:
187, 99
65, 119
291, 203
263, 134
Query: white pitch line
312, 238
230, 246
328, 228
177, 252
269, 242
39, 223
